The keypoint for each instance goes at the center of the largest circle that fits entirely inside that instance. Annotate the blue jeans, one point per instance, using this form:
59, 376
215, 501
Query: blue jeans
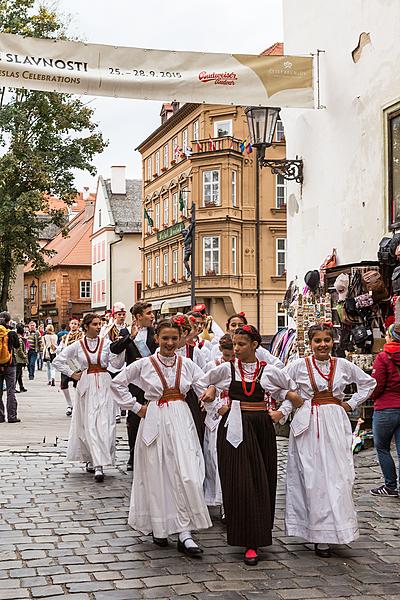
385, 426
32, 356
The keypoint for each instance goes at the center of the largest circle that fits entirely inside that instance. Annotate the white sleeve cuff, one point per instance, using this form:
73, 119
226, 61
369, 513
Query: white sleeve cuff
136, 407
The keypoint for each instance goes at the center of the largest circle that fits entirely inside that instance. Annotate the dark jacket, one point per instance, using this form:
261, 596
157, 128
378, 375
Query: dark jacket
386, 371
13, 343
132, 354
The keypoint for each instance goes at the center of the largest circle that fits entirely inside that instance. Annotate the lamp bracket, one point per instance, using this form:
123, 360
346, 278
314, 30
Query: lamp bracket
289, 169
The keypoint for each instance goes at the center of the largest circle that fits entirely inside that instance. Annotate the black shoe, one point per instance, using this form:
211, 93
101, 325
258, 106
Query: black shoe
129, 467
53, 383
49, 383
14, 420
23, 390
323, 553
89, 468
17, 391
251, 557
31, 378
123, 412
162, 542
190, 551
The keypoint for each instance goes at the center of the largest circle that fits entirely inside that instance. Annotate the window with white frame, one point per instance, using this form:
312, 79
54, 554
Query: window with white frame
165, 267
211, 260
175, 206
44, 291
85, 286
149, 168
175, 148
280, 131
157, 170
280, 191
53, 290
166, 156
222, 128
166, 211
157, 270
234, 255
280, 256
281, 316
211, 188
185, 144
234, 188
175, 265
196, 131
149, 272
157, 212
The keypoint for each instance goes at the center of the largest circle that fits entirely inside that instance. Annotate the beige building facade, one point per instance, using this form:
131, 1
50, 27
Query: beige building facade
200, 154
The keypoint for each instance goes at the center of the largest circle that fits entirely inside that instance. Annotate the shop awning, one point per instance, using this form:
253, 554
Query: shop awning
172, 303
156, 304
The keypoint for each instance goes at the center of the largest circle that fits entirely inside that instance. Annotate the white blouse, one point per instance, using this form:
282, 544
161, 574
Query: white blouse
73, 358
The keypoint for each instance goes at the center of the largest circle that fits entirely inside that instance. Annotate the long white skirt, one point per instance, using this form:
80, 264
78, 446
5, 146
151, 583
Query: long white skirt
320, 478
93, 430
212, 483
167, 492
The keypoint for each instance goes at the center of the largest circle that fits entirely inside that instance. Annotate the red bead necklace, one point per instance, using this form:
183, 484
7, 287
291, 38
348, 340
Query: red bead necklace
253, 382
87, 347
331, 367
163, 363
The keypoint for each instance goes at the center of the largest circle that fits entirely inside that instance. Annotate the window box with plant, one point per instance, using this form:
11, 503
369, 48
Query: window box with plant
164, 283
209, 204
155, 175
148, 286
183, 278
173, 280
210, 273
163, 169
173, 162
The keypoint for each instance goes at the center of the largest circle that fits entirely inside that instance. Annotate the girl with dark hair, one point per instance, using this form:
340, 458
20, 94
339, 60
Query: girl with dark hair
246, 444
320, 471
167, 492
92, 433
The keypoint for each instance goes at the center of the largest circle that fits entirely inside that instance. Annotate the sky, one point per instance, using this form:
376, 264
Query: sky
205, 25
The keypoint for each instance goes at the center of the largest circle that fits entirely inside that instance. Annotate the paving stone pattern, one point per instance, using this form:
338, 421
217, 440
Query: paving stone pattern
62, 535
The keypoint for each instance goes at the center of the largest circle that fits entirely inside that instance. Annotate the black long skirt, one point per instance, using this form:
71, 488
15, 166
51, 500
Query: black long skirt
248, 476
198, 418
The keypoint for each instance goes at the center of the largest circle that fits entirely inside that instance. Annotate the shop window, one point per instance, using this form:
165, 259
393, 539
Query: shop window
280, 256
211, 255
85, 288
222, 128
280, 191
394, 169
211, 188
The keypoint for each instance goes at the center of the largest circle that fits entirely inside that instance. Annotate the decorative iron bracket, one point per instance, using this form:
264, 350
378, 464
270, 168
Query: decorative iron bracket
289, 169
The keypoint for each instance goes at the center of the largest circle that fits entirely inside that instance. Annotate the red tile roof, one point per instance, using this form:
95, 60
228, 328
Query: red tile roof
275, 50
77, 206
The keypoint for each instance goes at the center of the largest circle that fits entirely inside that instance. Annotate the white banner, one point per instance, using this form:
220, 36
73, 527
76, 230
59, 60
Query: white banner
200, 77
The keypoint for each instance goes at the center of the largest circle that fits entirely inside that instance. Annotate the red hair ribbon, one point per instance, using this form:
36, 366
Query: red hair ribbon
242, 314
328, 323
247, 328
180, 320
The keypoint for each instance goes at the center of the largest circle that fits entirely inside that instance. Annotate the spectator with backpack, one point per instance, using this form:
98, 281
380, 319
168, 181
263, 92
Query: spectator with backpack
8, 341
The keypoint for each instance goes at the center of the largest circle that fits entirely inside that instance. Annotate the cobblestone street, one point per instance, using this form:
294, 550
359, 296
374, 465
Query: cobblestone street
63, 535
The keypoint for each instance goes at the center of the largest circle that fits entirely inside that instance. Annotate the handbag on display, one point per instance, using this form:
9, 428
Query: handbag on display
344, 316
364, 300
374, 283
360, 334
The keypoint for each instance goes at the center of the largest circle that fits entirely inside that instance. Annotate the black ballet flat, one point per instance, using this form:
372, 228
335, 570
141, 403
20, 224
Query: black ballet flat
251, 560
162, 542
191, 551
323, 553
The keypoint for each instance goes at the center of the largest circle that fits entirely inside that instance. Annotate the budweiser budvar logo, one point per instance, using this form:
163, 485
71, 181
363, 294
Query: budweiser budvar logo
218, 78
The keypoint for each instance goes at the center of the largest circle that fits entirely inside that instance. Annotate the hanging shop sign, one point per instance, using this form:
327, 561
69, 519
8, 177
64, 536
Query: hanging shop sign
165, 234
120, 72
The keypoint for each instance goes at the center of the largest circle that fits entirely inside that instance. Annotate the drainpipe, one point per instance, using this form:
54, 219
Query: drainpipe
110, 276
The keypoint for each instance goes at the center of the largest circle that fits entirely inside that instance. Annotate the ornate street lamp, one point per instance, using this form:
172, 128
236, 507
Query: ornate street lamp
262, 121
33, 289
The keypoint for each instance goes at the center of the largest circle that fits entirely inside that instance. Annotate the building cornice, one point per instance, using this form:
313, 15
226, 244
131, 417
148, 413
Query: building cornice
167, 126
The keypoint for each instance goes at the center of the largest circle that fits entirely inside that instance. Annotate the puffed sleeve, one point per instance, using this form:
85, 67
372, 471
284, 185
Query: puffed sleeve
119, 386
219, 376
61, 361
269, 358
277, 382
199, 384
365, 384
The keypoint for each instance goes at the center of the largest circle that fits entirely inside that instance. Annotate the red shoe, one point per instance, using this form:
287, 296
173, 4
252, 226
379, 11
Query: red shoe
251, 557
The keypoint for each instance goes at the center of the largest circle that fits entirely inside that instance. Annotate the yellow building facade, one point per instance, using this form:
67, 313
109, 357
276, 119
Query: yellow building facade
196, 155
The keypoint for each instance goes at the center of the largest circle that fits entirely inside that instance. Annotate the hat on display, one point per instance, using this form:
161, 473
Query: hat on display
312, 280
396, 280
341, 285
118, 307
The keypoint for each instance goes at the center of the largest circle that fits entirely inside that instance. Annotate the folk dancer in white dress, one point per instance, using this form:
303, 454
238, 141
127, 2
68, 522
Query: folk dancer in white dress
92, 432
320, 468
246, 442
72, 336
212, 483
167, 493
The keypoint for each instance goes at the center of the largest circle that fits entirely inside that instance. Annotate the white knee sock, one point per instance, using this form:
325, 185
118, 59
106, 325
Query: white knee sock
67, 397
186, 538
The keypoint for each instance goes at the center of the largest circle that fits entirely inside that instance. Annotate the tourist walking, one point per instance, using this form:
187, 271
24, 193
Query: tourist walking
34, 347
73, 335
39, 362
49, 353
320, 468
92, 432
386, 417
21, 358
9, 342
167, 492
246, 442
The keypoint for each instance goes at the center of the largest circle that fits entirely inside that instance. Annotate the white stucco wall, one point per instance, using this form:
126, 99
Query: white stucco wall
126, 269
343, 200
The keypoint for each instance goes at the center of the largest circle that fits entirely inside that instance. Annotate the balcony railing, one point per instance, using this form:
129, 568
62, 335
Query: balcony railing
219, 144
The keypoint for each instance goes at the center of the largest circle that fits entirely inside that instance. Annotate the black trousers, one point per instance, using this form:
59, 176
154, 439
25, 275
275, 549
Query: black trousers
18, 376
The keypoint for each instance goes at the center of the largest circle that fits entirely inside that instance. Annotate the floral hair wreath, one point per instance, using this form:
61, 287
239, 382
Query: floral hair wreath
179, 320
